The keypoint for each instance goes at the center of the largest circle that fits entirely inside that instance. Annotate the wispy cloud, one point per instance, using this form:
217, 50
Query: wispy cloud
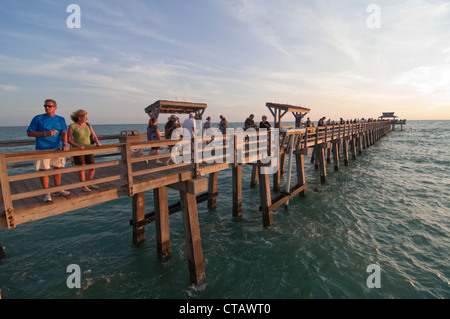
8, 88
234, 55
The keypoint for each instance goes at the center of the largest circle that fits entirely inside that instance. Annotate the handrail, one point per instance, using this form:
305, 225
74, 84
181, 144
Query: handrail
251, 145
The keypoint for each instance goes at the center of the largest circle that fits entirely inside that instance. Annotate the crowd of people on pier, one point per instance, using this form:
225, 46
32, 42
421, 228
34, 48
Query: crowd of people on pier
52, 133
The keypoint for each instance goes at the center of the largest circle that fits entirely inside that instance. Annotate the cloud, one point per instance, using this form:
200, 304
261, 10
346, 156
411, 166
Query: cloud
8, 88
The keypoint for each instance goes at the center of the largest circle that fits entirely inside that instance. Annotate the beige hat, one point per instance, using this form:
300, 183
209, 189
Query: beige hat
172, 118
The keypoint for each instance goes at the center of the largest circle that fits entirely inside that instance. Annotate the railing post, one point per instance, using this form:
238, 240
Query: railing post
127, 158
6, 193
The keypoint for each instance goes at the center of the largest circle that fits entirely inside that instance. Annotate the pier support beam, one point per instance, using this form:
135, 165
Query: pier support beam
353, 146
328, 155
254, 178
163, 247
212, 189
345, 151
237, 190
266, 199
300, 165
320, 154
336, 148
138, 203
360, 142
192, 237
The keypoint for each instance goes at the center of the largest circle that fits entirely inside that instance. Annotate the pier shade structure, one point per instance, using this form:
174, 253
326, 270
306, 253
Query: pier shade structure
127, 169
393, 118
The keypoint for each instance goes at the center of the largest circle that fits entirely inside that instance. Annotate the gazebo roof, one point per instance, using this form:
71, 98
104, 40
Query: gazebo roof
279, 110
388, 114
288, 108
175, 107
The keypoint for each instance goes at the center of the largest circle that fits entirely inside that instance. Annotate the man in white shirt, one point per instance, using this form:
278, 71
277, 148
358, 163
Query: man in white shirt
189, 124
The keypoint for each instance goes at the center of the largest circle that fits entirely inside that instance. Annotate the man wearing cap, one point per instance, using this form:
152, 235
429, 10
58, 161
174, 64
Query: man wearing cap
189, 124
50, 131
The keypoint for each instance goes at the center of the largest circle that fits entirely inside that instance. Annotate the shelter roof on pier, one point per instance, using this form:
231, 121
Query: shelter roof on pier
387, 115
279, 110
175, 107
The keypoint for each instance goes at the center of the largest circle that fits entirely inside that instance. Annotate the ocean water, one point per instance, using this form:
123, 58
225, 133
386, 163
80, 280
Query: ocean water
389, 207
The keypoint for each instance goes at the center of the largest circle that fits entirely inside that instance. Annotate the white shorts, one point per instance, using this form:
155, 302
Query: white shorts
44, 164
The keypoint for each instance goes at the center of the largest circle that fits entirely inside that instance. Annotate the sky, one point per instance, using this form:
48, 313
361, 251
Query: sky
347, 58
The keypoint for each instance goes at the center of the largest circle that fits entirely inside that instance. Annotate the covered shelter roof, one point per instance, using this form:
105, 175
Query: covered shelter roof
387, 115
175, 107
279, 110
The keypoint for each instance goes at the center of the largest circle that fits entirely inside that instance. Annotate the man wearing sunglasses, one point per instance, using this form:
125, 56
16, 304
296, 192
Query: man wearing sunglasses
50, 131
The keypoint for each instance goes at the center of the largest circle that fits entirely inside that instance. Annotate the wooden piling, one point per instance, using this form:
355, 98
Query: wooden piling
161, 203
360, 143
254, 178
322, 162
328, 155
300, 165
345, 151
237, 190
266, 200
336, 156
353, 146
138, 203
191, 225
212, 189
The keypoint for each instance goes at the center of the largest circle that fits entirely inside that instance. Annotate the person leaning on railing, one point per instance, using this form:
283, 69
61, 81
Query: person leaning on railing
81, 135
50, 131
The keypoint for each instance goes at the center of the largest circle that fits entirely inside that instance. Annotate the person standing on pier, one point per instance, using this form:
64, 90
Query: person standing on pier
81, 135
207, 124
172, 124
50, 131
153, 134
223, 125
189, 124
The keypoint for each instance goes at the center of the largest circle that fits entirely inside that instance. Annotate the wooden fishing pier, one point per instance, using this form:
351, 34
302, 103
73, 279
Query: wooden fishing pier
122, 171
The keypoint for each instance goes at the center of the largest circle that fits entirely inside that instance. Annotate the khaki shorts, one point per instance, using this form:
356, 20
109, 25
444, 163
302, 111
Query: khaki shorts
45, 164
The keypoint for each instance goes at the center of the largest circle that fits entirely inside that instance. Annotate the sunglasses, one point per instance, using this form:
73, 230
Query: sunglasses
46, 105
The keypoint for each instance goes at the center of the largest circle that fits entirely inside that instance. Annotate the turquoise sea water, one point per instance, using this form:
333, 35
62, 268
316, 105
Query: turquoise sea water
389, 207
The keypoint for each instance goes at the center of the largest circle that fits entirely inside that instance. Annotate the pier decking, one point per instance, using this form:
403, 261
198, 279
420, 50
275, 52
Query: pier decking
122, 171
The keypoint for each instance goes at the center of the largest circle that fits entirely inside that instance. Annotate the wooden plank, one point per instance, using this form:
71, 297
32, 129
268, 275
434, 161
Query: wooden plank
138, 203
69, 204
163, 248
193, 186
6, 194
266, 199
64, 187
212, 189
237, 190
192, 237
322, 164
301, 176
284, 197
63, 170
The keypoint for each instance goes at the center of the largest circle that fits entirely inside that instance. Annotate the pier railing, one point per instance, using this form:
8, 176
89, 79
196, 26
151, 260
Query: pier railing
122, 163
